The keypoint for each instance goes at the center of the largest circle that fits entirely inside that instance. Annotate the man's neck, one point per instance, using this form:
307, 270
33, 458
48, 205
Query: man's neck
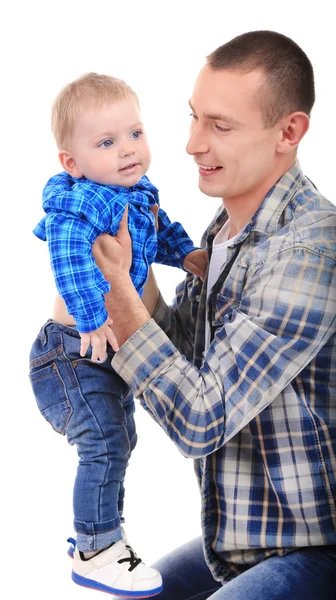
241, 209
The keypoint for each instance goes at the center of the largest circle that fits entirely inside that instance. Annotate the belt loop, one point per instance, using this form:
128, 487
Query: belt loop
43, 333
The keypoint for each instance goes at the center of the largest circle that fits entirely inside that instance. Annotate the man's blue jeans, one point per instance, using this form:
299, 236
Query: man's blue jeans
308, 574
92, 405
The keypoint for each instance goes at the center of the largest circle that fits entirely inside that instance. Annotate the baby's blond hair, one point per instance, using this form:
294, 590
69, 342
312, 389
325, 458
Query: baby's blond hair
89, 90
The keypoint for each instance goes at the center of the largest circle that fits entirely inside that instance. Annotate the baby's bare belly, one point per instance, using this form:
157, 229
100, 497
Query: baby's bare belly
60, 313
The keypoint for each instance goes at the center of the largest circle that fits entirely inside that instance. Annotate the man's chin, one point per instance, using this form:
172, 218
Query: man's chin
210, 190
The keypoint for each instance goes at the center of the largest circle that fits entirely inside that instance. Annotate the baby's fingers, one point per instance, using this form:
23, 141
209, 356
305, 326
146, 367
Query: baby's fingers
85, 343
111, 338
196, 270
98, 343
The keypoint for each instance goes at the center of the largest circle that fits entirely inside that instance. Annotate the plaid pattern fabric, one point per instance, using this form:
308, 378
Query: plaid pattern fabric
258, 411
77, 212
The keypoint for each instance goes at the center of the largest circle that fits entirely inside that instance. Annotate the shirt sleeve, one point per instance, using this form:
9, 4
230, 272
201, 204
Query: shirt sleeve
286, 314
78, 279
77, 212
173, 242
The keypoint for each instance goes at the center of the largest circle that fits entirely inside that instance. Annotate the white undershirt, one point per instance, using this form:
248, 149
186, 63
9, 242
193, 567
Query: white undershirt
218, 258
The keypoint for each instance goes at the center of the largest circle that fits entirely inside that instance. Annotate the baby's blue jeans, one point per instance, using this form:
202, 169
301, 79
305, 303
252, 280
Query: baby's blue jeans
90, 404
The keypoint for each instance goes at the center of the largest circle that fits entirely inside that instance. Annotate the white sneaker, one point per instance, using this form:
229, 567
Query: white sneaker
116, 570
71, 549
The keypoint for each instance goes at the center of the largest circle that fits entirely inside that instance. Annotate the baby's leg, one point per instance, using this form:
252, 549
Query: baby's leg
83, 400
89, 403
129, 407
101, 436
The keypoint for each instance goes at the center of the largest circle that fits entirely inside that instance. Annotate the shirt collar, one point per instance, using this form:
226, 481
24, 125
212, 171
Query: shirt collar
266, 218
149, 195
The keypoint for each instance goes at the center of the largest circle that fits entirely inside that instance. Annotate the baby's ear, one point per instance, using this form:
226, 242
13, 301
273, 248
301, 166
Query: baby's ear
69, 164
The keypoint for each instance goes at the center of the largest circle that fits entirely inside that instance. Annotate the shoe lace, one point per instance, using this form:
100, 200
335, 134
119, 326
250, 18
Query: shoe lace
132, 559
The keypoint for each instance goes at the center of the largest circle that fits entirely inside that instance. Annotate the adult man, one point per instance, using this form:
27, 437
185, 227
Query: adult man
243, 379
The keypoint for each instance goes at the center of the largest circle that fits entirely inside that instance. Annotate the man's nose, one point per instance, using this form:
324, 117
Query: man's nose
197, 143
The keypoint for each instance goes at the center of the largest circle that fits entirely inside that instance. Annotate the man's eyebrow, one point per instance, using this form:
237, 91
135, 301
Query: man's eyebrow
218, 117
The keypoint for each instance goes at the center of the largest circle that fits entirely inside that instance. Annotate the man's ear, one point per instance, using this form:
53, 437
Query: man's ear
292, 129
69, 164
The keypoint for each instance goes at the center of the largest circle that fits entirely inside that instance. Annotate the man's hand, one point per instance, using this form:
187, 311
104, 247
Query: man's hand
114, 258
113, 254
196, 262
98, 340
155, 210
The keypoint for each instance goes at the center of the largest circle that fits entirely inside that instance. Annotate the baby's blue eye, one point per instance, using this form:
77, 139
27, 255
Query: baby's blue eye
107, 143
136, 134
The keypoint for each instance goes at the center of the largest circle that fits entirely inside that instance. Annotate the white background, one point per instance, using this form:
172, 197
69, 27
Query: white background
158, 48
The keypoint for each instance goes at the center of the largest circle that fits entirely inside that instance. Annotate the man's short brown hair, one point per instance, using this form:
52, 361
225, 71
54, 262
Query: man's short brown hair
288, 77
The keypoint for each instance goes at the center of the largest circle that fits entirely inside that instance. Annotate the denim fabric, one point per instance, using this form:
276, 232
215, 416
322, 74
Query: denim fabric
90, 404
305, 574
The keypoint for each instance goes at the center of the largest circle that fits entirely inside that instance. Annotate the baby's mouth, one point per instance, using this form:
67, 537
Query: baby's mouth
129, 167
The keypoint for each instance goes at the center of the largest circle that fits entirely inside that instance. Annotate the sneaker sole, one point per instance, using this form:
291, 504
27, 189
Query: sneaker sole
95, 585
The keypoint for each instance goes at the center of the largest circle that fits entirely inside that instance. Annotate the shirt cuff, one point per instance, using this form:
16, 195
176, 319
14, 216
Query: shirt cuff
177, 257
86, 323
143, 356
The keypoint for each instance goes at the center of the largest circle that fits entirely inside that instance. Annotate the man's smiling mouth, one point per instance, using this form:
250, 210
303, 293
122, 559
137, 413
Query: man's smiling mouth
207, 169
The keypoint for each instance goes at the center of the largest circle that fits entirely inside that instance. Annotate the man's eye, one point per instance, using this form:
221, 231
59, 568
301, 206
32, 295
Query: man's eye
106, 143
193, 115
136, 134
225, 129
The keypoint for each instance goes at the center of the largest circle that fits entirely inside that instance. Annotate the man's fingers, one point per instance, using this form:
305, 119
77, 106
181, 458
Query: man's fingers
101, 246
155, 210
123, 227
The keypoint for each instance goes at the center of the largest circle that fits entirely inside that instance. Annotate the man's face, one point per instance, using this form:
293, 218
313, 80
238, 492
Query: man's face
227, 134
109, 144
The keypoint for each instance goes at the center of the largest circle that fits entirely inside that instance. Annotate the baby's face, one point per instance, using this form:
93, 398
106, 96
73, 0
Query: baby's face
109, 144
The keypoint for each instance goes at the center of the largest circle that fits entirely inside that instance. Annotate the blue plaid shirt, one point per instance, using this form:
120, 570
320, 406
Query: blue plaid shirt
77, 212
258, 410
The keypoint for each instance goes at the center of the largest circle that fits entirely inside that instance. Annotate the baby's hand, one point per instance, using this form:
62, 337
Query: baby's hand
98, 339
196, 262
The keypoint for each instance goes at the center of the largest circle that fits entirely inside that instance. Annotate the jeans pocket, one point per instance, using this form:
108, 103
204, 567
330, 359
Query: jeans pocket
51, 396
